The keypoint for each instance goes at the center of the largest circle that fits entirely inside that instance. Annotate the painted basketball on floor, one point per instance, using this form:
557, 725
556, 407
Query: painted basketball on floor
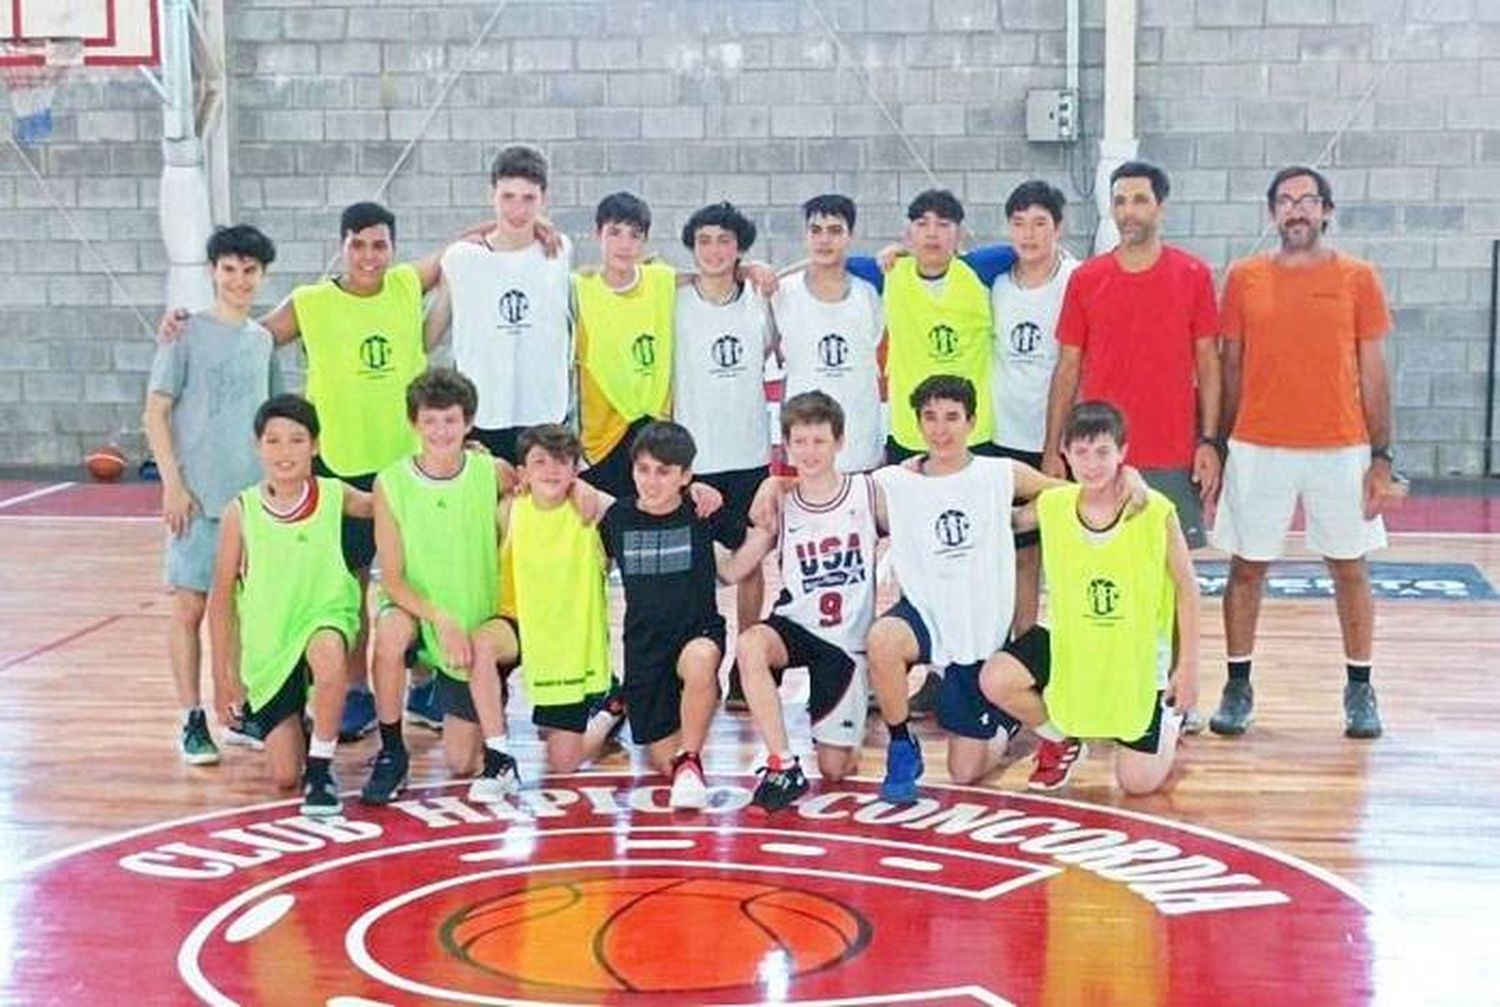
609, 934
105, 464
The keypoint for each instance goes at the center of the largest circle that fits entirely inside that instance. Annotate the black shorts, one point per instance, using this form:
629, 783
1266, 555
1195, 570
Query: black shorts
455, 700
738, 487
963, 708
500, 442
1033, 536
653, 692
830, 671
612, 473
290, 700
358, 533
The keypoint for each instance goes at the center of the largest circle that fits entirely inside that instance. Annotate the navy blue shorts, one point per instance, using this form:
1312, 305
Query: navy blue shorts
962, 707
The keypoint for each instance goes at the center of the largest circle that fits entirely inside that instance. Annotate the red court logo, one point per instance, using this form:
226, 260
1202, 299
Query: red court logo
592, 890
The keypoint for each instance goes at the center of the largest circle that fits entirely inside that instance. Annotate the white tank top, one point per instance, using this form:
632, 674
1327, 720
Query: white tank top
827, 556
719, 379
832, 347
512, 333
952, 550
1025, 354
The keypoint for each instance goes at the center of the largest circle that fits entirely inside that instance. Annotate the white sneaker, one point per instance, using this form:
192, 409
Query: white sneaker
689, 791
499, 780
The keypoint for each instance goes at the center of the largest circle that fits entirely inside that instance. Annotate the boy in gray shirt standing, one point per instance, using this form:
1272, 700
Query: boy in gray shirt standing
200, 410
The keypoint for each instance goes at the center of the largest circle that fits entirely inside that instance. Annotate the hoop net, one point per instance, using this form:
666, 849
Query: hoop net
32, 70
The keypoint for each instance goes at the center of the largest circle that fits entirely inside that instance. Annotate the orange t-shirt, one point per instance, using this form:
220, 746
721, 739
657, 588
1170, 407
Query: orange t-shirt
1299, 382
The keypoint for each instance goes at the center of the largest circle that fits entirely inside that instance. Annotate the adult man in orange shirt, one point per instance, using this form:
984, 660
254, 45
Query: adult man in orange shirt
1307, 408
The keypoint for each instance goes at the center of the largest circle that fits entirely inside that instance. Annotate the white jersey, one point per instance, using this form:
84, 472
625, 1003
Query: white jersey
1025, 354
832, 347
512, 331
719, 379
827, 556
953, 551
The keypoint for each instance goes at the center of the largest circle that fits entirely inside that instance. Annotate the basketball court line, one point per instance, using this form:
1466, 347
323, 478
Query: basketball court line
61, 641
34, 494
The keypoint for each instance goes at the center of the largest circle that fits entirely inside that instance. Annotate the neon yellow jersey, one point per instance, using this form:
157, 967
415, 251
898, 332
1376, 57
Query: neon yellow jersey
625, 349
294, 583
449, 543
1111, 603
554, 585
362, 352
947, 331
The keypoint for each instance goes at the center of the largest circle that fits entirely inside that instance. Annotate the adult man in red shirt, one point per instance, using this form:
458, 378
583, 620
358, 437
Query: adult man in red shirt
1139, 329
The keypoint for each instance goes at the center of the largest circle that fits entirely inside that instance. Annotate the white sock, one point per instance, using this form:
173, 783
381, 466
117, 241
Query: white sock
1047, 731
320, 749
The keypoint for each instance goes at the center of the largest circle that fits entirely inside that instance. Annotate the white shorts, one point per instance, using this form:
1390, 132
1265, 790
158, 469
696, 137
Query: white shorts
1263, 484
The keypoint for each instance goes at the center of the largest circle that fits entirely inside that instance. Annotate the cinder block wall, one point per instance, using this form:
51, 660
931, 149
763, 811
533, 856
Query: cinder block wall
766, 102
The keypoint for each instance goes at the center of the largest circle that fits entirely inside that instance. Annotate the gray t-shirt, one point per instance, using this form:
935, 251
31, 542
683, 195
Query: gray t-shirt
217, 376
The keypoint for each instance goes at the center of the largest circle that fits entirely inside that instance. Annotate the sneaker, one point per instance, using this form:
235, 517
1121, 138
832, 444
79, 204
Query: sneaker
903, 768
1055, 762
320, 794
923, 702
422, 705
359, 715
689, 792
387, 778
1236, 708
778, 788
1361, 715
198, 748
499, 780
608, 721
734, 694
1194, 722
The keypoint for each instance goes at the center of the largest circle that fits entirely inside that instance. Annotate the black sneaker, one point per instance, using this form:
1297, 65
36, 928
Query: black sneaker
778, 788
1361, 714
500, 779
320, 793
387, 778
1236, 708
198, 748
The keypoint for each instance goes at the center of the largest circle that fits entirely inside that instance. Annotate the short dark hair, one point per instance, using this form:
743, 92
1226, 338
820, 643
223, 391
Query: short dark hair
667, 442
359, 216
441, 388
1094, 418
945, 386
623, 208
807, 409
1325, 191
557, 440
519, 161
287, 407
243, 241
725, 215
939, 201
1161, 186
1036, 193
830, 205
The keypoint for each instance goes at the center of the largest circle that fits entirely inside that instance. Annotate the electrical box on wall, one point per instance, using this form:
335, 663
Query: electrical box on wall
1051, 115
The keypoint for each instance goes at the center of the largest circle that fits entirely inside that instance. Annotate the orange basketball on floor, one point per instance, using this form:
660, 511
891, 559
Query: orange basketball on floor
656, 934
105, 464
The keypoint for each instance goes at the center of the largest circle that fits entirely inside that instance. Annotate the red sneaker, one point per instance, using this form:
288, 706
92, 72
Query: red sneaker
1055, 762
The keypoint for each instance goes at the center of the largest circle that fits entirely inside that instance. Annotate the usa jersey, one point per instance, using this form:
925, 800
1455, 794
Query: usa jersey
827, 556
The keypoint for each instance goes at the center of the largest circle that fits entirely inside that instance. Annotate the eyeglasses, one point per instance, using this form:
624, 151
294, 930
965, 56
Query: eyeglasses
1308, 201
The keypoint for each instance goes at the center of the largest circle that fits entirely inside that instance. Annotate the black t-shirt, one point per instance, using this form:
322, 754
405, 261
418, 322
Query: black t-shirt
667, 566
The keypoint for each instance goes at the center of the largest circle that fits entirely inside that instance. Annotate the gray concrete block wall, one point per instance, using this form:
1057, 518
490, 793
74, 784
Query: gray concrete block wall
687, 101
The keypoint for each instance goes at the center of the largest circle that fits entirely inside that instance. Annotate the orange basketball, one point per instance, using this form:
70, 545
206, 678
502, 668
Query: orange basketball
656, 934
105, 464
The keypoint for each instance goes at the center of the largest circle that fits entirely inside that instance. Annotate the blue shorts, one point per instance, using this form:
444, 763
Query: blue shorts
190, 558
962, 707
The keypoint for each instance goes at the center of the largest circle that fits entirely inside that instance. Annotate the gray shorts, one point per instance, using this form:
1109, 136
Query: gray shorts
1177, 486
190, 559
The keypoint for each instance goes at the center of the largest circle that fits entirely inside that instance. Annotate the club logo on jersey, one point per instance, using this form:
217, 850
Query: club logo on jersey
727, 352
513, 307
375, 353
1025, 337
833, 351
1104, 598
643, 351
952, 529
589, 888
831, 562
944, 341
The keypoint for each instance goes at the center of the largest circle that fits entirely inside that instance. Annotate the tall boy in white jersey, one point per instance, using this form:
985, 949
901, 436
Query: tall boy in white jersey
825, 537
1026, 301
830, 325
723, 336
508, 298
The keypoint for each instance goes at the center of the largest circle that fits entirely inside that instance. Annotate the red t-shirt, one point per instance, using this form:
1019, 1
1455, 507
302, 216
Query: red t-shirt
1137, 332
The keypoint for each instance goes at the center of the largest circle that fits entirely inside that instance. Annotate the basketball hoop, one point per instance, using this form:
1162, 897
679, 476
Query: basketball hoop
32, 70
